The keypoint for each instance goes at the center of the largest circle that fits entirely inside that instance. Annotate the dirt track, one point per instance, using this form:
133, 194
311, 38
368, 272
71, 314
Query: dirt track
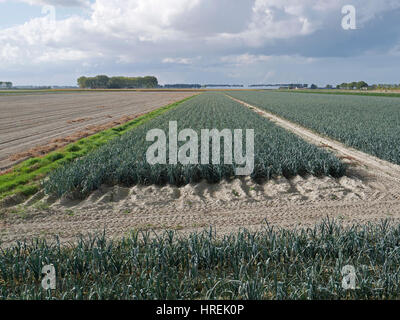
28, 121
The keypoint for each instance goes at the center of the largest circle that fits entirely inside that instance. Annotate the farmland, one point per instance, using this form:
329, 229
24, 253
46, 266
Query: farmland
116, 227
199, 158
105, 179
277, 152
370, 124
37, 121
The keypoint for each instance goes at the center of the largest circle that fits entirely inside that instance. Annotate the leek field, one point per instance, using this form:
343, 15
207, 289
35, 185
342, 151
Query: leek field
272, 264
370, 124
123, 160
293, 264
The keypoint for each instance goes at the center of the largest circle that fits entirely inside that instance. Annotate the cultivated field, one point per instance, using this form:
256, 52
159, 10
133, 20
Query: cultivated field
300, 177
370, 124
274, 264
277, 152
34, 124
316, 157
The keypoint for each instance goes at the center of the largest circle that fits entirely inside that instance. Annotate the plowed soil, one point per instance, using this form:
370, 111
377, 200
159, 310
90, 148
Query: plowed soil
31, 125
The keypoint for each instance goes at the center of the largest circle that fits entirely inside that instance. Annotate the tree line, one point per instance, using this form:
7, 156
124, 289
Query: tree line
353, 85
105, 82
383, 86
6, 84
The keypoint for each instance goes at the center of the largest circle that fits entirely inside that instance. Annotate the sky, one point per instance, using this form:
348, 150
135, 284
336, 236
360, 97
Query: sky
53, 42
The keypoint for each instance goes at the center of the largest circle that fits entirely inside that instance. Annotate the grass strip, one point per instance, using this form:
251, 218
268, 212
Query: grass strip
25, 177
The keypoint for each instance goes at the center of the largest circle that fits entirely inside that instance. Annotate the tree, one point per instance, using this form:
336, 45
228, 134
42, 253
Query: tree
150, 82
82, 82
353, 85
329, 86
314, 86
6, 84
91, 83
115, 83
361, 85
101, 81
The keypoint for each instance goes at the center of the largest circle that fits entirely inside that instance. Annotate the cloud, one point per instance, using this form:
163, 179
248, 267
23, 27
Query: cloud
144, 20
178, 60
140, 25
245, 59
62, 3
156, 35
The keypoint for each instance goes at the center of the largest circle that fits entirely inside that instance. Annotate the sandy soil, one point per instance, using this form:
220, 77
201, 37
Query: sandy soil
34, 121
370, 192
227, 206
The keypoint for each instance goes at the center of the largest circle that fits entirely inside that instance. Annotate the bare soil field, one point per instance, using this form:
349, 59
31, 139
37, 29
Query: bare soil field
34, 124
369, 192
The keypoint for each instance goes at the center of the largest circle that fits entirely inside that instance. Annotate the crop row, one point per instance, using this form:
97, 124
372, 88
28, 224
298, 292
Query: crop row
123, 160
271, 264
370, 124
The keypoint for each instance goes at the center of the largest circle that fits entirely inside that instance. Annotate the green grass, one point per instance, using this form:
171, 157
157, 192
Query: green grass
277, 152
25, 177
369, 124
271, 264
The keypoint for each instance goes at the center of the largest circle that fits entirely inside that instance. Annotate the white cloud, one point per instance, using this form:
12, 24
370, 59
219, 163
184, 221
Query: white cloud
64, 3
286, 19
127, 25
168, 32
368, 10
245, 59
250, 59
178, 60
145, 20
61, 55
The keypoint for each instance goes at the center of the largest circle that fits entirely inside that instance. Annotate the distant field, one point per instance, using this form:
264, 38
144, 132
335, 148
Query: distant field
373, 93
377, 93
38, 120
74, 91
78, 91
370, 124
